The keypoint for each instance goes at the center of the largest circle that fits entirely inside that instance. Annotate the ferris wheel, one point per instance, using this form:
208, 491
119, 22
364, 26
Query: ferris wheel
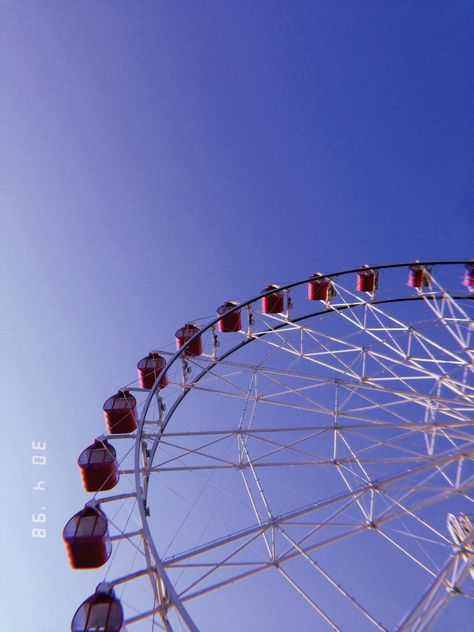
304, 461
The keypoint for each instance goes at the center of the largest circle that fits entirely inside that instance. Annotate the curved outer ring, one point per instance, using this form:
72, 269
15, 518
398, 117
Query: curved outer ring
141, 492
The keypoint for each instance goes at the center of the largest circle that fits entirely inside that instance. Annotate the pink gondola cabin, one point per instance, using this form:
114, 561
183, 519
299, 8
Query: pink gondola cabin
319, 288
184, 334
229, 322
367, 280
99, 467
120, 413
101, 611
273, 303
468, 279
418, 276
87, 539
149, 368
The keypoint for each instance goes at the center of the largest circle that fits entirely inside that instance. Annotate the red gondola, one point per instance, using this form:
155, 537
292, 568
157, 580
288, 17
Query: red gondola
273, 303
468, 279
120, 413
149, 368
186, 333
99, 467
229, 322
101, 611
319, 288
367, 280
87, 539
418, 276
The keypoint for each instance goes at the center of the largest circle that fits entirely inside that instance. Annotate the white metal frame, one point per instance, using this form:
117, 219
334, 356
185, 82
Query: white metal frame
414, 369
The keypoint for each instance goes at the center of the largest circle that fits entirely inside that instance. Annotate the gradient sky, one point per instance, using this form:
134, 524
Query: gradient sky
160, 157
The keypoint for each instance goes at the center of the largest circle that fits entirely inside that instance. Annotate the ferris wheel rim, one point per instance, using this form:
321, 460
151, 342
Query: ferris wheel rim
142, 491
238, 306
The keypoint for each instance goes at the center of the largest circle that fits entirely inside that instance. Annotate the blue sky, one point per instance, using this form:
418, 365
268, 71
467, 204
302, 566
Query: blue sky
158, 158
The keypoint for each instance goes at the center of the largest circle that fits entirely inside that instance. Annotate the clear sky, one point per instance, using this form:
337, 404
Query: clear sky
160, 157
